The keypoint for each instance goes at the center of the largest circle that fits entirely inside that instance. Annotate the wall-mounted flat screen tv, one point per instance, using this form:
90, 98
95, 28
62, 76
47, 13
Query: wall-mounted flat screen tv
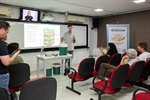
29, 15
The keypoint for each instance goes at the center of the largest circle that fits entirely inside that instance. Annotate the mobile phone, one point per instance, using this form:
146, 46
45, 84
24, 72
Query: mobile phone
15, 51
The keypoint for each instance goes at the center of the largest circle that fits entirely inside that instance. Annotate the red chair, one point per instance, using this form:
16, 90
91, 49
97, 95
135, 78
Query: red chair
19, 75
117, 79
115, 59
85, 70
142, 95
144, 76
44, 88
99, 60
3, 94
135, 72
146, 70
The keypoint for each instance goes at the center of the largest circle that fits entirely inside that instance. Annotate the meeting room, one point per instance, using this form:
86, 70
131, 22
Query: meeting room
75, 50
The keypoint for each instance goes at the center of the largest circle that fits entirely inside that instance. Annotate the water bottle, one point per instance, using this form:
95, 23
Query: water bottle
42, 51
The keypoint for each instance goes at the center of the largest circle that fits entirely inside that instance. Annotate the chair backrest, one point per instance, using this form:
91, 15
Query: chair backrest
3, 94
146, 70
135, 71
119, 76
44, 88
115, 59
99, 60
86, 67
19, 74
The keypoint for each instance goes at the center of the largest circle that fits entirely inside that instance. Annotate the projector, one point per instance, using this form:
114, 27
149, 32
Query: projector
47, 17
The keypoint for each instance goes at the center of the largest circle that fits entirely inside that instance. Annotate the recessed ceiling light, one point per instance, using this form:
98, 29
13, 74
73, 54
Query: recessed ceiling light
98, 10
139, 1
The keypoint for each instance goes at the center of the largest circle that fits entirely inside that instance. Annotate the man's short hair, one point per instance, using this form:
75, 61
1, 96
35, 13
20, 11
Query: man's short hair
132, 53
4, 24
12, 47
7, 23
69, 25
143, 45
29, 12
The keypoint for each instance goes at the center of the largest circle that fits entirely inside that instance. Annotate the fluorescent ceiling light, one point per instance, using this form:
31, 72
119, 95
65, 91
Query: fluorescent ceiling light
98, 10
139, 1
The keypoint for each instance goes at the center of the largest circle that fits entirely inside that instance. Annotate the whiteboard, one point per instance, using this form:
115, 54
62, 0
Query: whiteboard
16, 33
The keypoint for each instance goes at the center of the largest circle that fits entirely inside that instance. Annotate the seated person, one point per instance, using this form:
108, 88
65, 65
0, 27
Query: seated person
129, 58
111, 49
12, 48
142, 47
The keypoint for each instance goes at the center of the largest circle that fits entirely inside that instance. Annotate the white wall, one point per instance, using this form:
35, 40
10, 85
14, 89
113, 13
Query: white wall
79, 54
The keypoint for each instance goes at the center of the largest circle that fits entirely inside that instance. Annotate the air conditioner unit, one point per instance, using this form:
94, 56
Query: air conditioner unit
75, 19
5, 11
47, 17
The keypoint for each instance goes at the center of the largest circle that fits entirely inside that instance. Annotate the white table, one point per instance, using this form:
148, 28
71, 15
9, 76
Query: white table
49, 58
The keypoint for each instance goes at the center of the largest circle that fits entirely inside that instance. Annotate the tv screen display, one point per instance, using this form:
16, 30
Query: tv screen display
29, 15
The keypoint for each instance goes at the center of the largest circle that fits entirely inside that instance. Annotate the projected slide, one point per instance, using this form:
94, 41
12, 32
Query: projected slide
41, 35
34, 35
51, 35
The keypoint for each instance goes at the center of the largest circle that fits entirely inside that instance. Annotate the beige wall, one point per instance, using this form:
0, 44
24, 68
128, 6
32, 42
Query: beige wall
139, 27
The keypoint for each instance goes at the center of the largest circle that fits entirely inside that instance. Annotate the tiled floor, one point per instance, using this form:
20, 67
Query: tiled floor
86, 93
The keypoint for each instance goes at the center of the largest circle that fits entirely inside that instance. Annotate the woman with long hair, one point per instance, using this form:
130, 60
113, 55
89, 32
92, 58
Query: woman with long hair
111, 49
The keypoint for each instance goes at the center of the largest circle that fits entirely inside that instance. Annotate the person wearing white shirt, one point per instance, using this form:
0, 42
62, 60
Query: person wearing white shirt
142, 47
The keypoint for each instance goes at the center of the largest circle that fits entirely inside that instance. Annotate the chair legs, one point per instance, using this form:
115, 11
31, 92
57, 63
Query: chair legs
99, 95
72, 88
13, 96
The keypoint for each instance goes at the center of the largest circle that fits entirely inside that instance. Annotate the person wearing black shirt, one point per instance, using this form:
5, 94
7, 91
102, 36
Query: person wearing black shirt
111, 49
5, 60
28, 17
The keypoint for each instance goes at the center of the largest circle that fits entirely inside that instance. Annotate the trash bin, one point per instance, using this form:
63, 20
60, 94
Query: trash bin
49, 71
63, 49
56, 68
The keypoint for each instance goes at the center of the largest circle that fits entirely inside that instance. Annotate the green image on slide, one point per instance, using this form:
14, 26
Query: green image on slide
49, 36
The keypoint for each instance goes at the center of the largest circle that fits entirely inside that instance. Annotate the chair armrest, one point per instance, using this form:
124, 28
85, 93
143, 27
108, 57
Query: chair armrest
105, 82
134, 93
75, 72
93, 81
103, 79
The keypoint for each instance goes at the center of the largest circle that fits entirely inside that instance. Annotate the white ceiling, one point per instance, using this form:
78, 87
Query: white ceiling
83, 7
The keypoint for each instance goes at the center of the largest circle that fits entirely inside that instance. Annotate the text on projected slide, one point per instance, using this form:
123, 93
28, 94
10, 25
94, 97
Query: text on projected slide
41, 35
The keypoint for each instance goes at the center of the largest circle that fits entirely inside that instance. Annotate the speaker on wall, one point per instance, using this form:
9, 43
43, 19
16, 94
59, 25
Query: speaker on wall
95, 22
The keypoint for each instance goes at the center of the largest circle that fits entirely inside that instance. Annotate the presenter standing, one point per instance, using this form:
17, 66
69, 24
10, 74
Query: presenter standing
69, 38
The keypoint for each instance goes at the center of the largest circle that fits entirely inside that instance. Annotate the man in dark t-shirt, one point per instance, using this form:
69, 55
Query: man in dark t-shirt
3, 52
5, 60
29, 17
